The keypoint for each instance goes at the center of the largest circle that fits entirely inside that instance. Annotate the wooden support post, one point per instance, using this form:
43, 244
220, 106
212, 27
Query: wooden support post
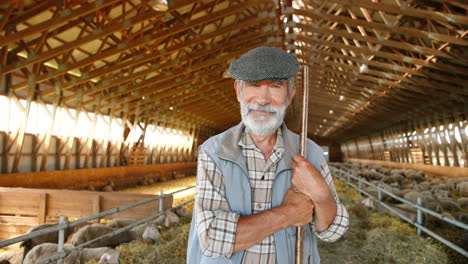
96, 206
42, 208
33, 153
47, 140
77, 154
58, 158
464, 140
90, 141
371, 147
20, 134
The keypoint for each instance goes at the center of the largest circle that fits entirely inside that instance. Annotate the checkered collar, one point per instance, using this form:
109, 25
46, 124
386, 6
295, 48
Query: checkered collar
246, 141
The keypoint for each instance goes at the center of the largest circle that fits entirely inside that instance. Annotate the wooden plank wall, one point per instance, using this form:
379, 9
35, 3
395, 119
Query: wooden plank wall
97, 178
441, 144
21, 208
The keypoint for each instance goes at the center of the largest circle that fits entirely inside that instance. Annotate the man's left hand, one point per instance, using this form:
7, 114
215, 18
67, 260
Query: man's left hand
308, 180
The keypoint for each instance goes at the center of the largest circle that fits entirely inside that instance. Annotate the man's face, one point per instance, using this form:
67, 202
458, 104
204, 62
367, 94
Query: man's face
263, 104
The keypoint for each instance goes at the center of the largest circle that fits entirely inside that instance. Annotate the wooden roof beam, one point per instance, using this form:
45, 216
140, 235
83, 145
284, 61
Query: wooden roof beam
383, 27
391, 43
386, 55
111, 82
139, 59
406, 10
114, 27
49, 24
386, 66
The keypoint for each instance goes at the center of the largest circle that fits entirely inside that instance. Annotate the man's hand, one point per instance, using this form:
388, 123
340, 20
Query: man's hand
300, 208
308, 180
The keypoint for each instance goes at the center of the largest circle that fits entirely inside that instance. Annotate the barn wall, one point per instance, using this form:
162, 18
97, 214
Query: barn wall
440, 144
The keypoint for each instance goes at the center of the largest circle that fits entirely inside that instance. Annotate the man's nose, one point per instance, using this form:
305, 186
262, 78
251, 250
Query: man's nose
263, 95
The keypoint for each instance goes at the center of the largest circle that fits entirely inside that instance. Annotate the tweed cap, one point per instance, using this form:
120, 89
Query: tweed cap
264, 63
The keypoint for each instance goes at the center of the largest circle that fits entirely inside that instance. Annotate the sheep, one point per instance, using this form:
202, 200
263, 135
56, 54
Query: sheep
462, 188
463, 202
171, 218
370, 174
439, 194
151, 233
147, 231
453, 182
449, 204
442, 223
443, 186
423, 186
28, 244
147, 181
160, 220
462, 217
93, 231
109, 187
178, 175
413, 175
412, 196
105, 255
181, 212
119, 222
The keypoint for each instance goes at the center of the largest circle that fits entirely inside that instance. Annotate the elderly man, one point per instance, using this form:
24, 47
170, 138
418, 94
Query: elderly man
253, 189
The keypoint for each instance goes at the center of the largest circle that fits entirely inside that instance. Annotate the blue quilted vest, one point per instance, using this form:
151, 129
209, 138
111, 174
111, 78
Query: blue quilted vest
224, 150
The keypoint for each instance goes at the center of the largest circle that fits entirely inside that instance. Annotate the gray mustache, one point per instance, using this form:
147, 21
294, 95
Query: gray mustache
266, 108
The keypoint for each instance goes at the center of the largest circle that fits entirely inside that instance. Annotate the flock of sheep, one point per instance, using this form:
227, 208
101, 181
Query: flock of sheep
446, 196
44, 246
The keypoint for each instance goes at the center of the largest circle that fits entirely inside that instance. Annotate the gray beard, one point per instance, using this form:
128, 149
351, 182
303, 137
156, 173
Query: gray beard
263, 125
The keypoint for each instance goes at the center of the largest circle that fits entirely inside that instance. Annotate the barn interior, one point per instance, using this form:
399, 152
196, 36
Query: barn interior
100, 93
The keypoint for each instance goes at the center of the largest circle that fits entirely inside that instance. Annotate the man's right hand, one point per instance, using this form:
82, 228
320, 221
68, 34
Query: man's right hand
299, 207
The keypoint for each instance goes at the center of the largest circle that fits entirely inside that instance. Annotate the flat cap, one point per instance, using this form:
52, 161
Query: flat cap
264, 63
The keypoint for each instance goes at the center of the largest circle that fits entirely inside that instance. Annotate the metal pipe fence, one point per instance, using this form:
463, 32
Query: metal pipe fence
63, 224
346, 176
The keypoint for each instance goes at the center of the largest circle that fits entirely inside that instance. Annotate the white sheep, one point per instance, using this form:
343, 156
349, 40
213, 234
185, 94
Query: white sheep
105, 255
109, 187
171, 218
160, 220
119, 222
462, 187
27, 245
449, 204
147, 231
93, 231
181, 212
463, 202
151, 233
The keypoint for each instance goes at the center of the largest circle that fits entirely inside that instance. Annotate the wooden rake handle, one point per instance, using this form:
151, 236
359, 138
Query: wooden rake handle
303, 151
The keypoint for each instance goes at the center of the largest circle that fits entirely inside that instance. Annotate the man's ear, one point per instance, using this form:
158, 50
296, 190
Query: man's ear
237, 86
291, 96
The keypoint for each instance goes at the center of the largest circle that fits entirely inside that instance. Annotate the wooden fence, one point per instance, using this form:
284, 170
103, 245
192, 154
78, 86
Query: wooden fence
21, 208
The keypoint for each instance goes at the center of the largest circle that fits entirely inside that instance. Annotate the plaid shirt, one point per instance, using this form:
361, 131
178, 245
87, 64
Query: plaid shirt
217, 224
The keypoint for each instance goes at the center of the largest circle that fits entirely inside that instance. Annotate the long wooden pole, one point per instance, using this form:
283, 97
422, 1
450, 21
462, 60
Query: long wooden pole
303, 149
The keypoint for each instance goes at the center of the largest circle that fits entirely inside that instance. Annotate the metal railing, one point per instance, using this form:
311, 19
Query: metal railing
63, 224
346, 176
